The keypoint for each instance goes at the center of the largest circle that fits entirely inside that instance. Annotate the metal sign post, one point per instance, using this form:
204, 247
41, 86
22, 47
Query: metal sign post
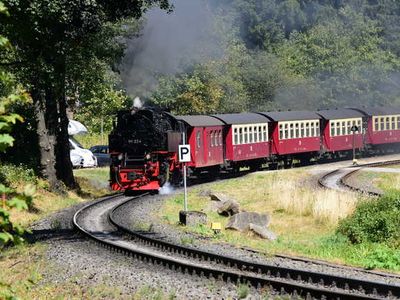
184, 188
184, 157
354, 128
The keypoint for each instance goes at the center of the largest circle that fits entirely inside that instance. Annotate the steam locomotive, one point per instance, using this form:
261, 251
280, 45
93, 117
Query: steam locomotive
144, 142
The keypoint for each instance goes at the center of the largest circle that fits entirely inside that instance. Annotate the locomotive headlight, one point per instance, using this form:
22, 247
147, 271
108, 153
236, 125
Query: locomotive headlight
148, 156
120, 156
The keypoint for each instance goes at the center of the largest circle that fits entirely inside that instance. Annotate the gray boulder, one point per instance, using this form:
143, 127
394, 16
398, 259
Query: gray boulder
219, 197
205, 193
263, 232
228, 208
241, 221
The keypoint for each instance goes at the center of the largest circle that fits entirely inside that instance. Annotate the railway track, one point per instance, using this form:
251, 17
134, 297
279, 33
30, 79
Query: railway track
336, 179
97, 221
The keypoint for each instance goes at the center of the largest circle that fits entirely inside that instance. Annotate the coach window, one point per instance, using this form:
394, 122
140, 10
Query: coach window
216, 136
212, 138
387, 123
359, 125
311, 129
240, 135
245, 135
255, 134
398, 122
307, 129
220, 137
393, 123
280, 132
332, 129
302, 129
343, 128
382, 121
259, 134
348, 127
264, 133
376, 124
198, 139
296, 125
291, 131
250, 134
337, 128
286, 130
236, 138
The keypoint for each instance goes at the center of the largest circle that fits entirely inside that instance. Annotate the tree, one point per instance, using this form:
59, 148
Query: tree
194, 92
54, 39
10, 92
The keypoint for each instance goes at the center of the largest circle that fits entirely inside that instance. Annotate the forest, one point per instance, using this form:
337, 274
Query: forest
89, 59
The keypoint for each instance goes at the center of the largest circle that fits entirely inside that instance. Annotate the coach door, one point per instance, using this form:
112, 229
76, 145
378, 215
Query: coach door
199, 152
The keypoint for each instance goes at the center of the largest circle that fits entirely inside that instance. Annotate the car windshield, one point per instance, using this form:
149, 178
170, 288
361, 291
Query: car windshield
76, 142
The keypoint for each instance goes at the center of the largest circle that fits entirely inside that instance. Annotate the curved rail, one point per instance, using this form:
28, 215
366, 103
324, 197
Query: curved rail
277, 275
342, 180
279, 284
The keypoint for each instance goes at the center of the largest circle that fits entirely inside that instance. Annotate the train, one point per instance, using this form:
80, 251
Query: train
144, 142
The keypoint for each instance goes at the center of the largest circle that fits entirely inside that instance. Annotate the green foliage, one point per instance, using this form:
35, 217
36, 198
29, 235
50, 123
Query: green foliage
10, 233
383, 258
196, 91
243, 290
12, 175
295, 54
375, 221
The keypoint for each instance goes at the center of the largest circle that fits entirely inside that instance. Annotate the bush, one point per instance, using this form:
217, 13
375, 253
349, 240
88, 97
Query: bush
383, 258
12, 175
375, 221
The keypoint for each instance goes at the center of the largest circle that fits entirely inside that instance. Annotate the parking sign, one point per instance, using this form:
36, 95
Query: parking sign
184, 153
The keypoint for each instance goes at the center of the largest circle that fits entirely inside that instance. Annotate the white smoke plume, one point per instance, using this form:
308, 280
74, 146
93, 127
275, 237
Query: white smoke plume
137, 103
166, 189
167, 43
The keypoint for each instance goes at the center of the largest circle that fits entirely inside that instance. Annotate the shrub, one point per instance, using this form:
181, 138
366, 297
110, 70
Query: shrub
374, 221
12, 175
383, 258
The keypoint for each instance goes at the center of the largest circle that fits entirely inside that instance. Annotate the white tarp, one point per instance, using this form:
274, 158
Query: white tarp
75, 127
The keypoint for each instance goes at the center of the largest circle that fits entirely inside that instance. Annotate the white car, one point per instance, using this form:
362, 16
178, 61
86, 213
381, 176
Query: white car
81, 157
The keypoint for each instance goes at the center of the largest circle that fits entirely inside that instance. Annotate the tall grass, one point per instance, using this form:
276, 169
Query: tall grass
325, 206
288, 191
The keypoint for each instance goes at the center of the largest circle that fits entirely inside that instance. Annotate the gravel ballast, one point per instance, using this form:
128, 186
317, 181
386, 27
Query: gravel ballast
86, 264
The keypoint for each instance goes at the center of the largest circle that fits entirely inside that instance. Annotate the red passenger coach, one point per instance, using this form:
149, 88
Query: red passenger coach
246, 139
294, 132
337, 127
383, 125
204, 134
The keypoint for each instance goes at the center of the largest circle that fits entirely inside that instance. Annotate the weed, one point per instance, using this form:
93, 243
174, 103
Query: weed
149, 293
243, 290
55, 224
172, 295
141, 226
186, 240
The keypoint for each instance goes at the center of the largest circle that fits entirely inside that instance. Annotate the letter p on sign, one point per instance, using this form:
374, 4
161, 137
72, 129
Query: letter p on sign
184, 153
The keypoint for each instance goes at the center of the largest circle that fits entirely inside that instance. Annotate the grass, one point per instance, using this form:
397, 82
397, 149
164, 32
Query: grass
304, 217
384, 181
93, 183
22, 267
21, 278
92, 139
94, 180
